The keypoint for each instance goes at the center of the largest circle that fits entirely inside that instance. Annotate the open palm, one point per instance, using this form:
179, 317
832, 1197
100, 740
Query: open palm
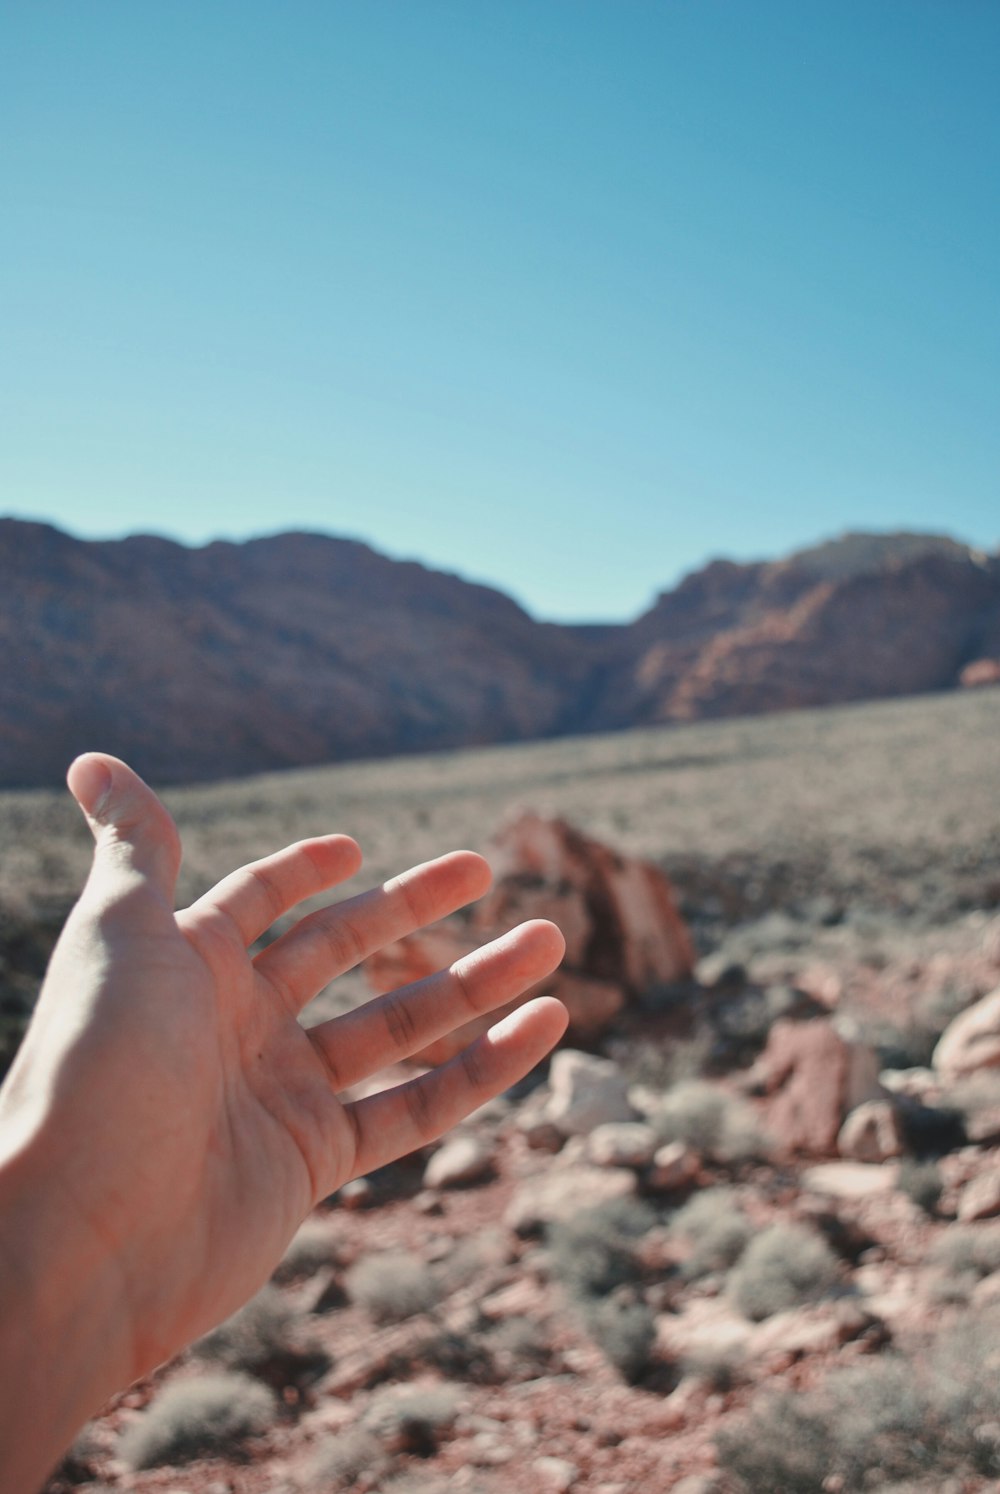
192, 1120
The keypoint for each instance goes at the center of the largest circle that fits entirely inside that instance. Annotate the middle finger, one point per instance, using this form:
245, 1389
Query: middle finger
325, 944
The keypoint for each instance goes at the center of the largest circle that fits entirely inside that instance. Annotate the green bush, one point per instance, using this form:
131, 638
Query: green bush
202, 1417
786, 1266
393, 1285
963, 1255
718, 1229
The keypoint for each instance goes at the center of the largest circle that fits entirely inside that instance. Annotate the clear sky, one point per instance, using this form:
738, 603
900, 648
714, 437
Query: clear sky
566, 296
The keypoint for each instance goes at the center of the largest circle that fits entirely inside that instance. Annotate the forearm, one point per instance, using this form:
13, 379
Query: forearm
59, 1319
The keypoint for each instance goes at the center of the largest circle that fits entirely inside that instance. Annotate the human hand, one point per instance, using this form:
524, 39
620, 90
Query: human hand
170, 1119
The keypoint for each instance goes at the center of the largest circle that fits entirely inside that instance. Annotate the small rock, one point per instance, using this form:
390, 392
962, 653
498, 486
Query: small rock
586, 1092
557, 1474
357, 1194
463, 1159
675, 1165
720, 970
427, 1202
871, 1133
698, 1483
540, 1134
850, 1179
622, 1144
981, 1198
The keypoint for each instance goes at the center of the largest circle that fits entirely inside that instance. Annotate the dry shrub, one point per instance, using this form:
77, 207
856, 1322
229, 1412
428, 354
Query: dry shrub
921, 1182
879, 1423
786, 1266
963, 1255
718, 1228
259, 1340
518, 1349
412, 1421
714, 1123
341, 1461
593, 1254
625, 1333
393, 1285
311, 1249
203, 1417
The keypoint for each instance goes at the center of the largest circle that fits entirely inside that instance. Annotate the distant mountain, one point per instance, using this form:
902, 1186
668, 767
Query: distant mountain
301, 648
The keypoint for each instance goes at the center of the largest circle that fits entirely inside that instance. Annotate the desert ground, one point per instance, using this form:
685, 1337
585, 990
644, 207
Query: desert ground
840, 873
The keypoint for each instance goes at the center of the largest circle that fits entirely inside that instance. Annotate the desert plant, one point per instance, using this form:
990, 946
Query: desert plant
718, 1228
786, 1266
625, 1333
259, 1340
963, 1255
714, 1123
339, 1462
922, 1182
393, 1285
412, 1420
892, 1419
518, 1349
311, 1249
211, 1414
593, 1252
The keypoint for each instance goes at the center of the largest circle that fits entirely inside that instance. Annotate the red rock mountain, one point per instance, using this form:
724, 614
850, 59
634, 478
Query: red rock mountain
301, 648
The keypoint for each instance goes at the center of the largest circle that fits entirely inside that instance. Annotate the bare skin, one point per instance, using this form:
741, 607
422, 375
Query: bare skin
168, 1122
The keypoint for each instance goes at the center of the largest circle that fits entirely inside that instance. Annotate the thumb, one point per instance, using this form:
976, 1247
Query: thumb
133, 830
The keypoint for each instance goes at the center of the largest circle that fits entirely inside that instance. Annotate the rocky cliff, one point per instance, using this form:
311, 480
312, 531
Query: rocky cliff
301, 648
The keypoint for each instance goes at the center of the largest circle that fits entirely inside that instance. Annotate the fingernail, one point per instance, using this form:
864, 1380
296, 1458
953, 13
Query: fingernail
91, 782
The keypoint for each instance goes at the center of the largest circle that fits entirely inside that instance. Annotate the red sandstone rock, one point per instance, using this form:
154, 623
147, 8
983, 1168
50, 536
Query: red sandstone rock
624, 936
971, 1041
812, 1077
980, 672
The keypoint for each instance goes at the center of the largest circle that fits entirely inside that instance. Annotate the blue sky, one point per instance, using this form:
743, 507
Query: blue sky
567, 297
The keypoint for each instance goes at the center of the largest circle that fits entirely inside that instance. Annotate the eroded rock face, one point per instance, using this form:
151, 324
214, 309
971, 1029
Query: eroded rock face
972, 1041
812, 1077
624, 935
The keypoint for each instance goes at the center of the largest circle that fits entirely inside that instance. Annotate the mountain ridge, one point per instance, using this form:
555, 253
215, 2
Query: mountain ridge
298, 648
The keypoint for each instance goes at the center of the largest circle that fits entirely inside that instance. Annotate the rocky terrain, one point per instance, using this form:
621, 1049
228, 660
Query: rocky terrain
743, 1234
301, 649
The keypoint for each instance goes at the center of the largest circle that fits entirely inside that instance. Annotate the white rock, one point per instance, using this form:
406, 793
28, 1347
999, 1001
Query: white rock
981, 1198
557, 1474
972, 1041
622, 1144
872, 1132
850, 1179
675, 1165
586, 1092
463, 1159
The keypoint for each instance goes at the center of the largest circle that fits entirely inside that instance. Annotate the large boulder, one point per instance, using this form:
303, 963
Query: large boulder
624, 936
617, 914
971, 1041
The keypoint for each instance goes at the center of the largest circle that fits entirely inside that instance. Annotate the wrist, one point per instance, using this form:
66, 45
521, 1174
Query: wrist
62, 1348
